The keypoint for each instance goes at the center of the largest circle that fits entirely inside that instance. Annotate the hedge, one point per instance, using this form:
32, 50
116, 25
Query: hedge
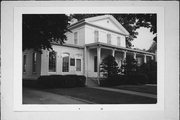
61, 81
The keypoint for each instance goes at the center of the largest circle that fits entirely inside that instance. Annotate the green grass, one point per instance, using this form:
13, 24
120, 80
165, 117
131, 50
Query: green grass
102, 96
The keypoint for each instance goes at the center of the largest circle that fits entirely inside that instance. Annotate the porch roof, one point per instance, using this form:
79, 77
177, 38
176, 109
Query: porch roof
91, 45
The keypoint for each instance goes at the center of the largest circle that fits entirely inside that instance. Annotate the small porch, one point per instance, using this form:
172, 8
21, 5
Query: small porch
96, 52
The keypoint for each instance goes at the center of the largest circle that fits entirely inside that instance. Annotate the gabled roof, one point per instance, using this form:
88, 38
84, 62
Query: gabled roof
99, 18
92, 19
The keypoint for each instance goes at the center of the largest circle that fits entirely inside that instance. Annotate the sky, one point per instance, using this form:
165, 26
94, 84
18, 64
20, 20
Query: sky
144, 39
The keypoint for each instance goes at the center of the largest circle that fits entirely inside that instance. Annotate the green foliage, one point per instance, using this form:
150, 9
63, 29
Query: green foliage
109, 67
150, 69
39, 30
131, 22
129, 66
61, 81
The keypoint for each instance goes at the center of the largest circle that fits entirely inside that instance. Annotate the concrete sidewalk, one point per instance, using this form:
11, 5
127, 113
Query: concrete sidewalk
31, 96
127, 92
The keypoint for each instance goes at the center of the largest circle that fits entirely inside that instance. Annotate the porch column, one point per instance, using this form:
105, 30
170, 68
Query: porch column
113, 52
124, 56
152, 57
85, 61
134, 55
98, 62
145, 58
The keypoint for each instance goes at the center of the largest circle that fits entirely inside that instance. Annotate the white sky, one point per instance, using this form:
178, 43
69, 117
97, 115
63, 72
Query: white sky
144, 39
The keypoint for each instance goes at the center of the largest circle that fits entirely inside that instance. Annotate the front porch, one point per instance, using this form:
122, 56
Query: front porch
96, 52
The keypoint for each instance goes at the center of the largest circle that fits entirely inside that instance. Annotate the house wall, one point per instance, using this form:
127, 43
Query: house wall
107, 23
74, 53
81, 36
29, 74
89, 36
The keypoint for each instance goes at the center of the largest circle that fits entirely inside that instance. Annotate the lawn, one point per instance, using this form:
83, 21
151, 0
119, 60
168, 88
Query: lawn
102, 96
139, 88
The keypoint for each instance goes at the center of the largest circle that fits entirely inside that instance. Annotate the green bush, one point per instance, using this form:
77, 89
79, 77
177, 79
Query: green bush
61, 81
137, 78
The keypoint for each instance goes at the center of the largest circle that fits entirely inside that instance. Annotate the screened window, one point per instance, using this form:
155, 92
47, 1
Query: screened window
109, 38
95, 63
65, 67
96, 36
52, 61
78, 64
118, 41
24, 63
34, 62
75, 38
72, 62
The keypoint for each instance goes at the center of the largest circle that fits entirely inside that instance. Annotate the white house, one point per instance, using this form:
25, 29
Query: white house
90, 41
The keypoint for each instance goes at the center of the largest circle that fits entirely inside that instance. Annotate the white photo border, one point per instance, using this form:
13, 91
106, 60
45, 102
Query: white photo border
18, 106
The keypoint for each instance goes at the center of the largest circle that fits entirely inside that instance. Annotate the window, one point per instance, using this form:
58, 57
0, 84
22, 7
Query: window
75, 38
65, 66
52, 61
72, 62
78, 64
96, 36
34, 61
95, 63
24, 63
109, 38
118, 41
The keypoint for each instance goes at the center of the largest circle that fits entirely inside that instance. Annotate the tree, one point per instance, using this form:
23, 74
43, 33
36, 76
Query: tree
129, 66
39, 30
109, 67
131, 22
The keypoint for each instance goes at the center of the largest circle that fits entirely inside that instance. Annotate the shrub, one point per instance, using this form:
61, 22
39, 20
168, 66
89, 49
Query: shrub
61, 81
137, 78
109, 67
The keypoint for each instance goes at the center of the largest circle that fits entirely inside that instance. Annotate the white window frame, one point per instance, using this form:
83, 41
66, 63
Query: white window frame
80, 64
96, 35
55, 63
76, 41
68, 63
109, 37
118, 41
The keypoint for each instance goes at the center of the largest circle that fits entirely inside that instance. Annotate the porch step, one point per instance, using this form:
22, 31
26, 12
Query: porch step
92, 82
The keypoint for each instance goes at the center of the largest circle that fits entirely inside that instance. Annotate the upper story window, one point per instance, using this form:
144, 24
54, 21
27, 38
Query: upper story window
109, 38
24, 63
118, 41
96, 36
76, 38
34, 61
52, 61
65, 64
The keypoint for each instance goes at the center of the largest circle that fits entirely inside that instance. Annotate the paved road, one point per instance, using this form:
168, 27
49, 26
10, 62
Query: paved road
31, 96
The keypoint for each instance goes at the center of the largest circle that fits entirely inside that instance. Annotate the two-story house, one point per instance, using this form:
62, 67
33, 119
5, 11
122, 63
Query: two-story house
91, 40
